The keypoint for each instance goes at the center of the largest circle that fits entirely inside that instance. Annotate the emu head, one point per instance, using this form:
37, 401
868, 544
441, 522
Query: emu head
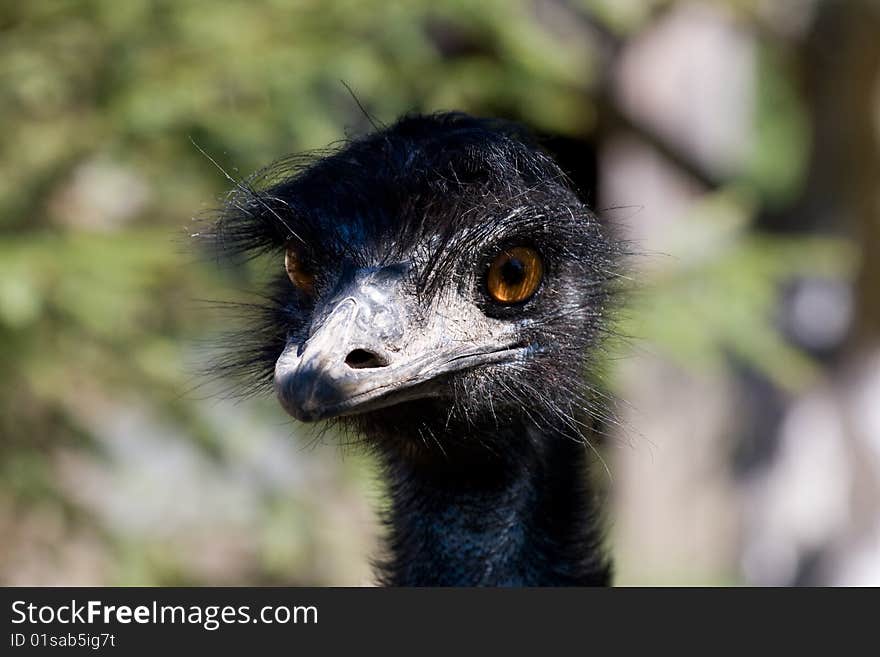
437, 274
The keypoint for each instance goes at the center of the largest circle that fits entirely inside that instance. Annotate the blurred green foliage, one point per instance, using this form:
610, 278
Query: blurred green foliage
722, 300
104, 107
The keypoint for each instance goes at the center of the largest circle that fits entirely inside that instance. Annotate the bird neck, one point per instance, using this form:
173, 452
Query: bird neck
519, 519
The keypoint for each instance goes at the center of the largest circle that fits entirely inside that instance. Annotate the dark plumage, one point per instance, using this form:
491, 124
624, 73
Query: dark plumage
388, 322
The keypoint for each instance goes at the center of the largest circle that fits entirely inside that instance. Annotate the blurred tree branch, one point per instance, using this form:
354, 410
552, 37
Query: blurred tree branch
841, 68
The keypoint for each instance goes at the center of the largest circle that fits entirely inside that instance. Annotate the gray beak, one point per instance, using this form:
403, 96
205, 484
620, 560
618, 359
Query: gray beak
372, 346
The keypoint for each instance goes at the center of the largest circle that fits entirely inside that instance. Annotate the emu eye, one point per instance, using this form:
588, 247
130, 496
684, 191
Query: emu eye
297, 272
515, 275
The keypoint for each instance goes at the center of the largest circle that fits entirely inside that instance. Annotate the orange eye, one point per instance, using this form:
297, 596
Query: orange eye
515, 275
298, 274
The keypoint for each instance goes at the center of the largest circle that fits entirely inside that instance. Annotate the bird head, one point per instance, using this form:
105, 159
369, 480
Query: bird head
440, 270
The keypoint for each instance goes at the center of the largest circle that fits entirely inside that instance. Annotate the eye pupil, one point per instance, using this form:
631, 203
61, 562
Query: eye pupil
513, 271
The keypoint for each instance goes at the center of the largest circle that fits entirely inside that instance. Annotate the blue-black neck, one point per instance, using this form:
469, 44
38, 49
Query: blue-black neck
525, 518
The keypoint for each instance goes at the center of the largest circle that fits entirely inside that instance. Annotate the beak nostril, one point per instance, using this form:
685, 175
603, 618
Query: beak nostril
360, 359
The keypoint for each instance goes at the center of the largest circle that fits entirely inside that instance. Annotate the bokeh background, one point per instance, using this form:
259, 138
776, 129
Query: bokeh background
737, 143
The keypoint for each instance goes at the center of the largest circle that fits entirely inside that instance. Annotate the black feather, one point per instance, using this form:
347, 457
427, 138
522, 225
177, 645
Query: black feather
444, 193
